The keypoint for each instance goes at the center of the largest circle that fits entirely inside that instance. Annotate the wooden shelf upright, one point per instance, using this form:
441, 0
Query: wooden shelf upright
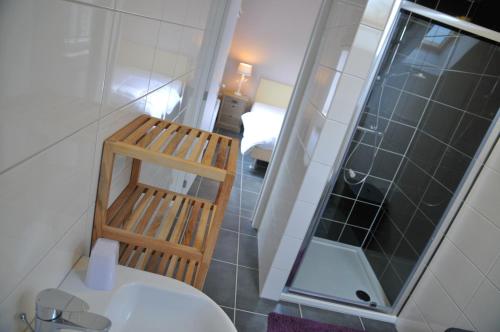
159, 230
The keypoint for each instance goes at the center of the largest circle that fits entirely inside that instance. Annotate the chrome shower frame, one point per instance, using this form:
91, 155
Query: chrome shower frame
483, 151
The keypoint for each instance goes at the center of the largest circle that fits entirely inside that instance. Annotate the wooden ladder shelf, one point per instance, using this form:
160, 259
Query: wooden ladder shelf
163, 231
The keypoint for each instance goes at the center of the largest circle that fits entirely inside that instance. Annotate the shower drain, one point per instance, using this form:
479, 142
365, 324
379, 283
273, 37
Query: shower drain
362, 295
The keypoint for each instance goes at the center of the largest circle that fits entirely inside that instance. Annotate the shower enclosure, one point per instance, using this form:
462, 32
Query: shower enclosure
431, 105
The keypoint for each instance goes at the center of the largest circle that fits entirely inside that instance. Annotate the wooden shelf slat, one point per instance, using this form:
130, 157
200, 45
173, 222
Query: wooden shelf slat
156, 146
150, 137
141, 205
126, 208
159, 230
186, 145
209, 153
141, 131
172, 145
159, 158
198, 148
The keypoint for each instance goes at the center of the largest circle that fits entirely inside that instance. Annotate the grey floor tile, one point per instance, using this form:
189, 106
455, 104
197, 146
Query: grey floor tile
234, 199
194, 186
237, 182
247, 296
220, 283
372, 325
208, 189
258, 171
331, 317
226, 246
249, 200
233, 209
246, 213
230, 221
246, 161
229, 312
252, 184
246, 227
229, 133
249, 322
248, 252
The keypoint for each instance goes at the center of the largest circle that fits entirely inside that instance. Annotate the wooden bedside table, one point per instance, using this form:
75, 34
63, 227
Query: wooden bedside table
231, 109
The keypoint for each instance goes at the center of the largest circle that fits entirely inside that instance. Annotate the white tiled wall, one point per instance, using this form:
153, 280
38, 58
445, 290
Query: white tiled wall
461, 287
70, 75
348, 48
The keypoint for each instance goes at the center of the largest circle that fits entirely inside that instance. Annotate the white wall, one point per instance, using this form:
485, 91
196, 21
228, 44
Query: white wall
461, 286
345, 58
272, 35
71, 75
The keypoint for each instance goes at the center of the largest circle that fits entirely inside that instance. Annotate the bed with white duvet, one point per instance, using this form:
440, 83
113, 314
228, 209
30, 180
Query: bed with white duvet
262, 125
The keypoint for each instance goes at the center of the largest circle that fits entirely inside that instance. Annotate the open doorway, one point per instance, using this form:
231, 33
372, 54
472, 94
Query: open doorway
266, 53
265, 56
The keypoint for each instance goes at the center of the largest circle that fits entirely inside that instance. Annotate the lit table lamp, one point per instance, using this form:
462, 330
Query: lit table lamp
245, 70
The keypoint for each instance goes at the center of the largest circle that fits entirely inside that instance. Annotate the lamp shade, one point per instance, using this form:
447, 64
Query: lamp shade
245, 69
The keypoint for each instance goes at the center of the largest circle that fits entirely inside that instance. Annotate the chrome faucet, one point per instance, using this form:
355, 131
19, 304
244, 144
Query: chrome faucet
57, 310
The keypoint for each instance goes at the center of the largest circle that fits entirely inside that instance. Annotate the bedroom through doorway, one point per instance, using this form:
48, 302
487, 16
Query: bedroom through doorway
265, 57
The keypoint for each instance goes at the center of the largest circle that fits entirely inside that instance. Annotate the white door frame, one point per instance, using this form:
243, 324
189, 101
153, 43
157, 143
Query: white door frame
221, 36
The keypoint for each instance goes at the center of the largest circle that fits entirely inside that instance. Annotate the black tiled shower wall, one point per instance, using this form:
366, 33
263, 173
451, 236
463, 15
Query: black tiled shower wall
480, 12
437, 104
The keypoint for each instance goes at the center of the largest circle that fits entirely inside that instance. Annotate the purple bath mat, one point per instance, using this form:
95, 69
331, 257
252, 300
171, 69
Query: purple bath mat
283, 323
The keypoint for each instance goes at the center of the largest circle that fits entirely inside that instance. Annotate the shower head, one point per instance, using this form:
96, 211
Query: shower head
419, 75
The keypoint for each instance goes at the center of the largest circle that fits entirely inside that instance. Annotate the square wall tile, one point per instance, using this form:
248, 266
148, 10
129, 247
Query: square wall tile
494, 158
273, 286
107, 126
377, 13
494, 274
101, 3
314, 182
175, 11
287, 252
484, 195
346, 98
300, 219
51, 85
166, 55
189, 50
463, 323
447, 264
344, 13
296, 160
309, 127
40, 199
476, 237
197, 13
130, 61
49, 272
332, 52
330, 141
363, 51
483, 309
322, 81
411, 320
436, 306
148, 8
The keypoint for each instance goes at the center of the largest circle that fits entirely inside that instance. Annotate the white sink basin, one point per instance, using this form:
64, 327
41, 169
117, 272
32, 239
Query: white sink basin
142, 301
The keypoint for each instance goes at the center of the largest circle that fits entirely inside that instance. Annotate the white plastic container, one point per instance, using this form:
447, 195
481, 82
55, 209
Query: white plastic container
101, 269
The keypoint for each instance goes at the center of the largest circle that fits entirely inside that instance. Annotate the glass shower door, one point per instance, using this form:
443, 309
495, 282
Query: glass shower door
432, 103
